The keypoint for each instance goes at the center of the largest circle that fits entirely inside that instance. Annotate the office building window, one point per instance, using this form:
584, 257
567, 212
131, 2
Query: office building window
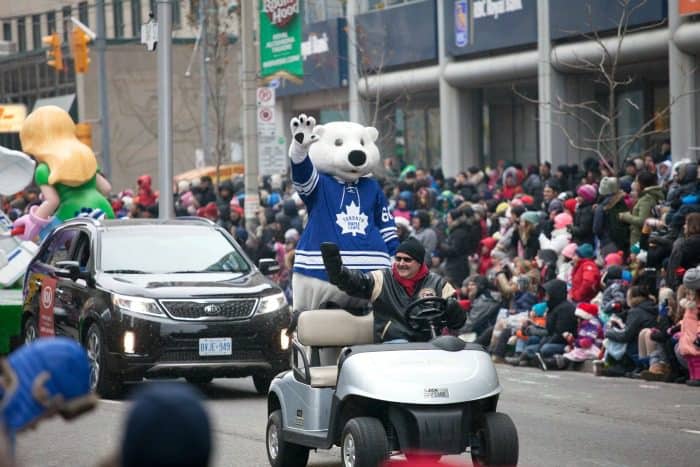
118, 16
194, 9
66, 13
51, 21
21, 35
136, 18
7, 32
368, 5
36, 31
83, 14
322, 10
177, 14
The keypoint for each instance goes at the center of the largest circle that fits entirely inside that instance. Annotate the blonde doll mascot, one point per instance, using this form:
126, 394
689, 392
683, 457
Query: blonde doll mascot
66, 172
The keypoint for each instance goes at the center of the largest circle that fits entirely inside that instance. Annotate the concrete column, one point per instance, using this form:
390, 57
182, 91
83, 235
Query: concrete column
682, 80
544, 80
454, 153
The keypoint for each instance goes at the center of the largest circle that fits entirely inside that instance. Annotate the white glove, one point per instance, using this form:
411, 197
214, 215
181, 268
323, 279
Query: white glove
302, 128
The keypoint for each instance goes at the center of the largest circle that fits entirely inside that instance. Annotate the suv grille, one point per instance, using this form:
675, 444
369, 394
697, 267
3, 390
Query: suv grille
210, 309
193, 356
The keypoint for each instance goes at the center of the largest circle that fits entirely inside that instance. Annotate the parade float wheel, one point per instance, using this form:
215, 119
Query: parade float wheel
496, 441
279, 452
102, 381
364, 443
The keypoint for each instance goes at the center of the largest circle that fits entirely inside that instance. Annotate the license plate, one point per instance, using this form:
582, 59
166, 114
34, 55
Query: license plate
214, 346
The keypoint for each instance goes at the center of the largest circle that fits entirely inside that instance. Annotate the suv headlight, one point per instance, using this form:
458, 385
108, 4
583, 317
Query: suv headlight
139, 305
272, 302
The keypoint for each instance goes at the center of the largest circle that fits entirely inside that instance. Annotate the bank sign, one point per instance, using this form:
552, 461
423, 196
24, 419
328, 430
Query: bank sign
280, 39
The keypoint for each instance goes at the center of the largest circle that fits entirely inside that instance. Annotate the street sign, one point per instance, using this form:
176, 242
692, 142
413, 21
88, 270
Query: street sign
11, 117
266, 97
688, 7
272, 154
149, 35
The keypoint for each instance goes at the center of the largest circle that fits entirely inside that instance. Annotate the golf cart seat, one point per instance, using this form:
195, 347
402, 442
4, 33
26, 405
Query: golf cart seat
324, 329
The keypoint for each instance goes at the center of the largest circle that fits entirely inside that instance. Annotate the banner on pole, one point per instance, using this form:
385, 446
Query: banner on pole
280, 40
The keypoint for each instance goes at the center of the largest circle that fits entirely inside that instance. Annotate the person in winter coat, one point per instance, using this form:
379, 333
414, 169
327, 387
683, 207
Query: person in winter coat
525, 237
612, 233
485, 261
547, 264
650, 195
688, 347
686, 251
424, 233
582, 229
454, 248
483, 311
614, 293
589, 335
560, 235
585, 277
512, 179
560, 321
533, 184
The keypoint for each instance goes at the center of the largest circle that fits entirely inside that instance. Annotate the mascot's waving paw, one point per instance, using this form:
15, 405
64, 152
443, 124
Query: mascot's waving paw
302, 128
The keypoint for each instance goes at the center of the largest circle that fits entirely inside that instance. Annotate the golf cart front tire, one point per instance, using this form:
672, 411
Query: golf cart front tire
364, 443
279, 452
498, 441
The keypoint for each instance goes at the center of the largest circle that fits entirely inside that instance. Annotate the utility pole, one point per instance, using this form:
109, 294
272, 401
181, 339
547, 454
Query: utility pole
354, 104
204, 76
165, 110
250, 122
101, 45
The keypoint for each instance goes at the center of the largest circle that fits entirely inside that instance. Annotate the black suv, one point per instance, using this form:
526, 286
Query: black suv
158, 298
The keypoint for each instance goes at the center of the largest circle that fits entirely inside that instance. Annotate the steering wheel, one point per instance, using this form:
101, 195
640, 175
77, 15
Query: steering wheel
426, 309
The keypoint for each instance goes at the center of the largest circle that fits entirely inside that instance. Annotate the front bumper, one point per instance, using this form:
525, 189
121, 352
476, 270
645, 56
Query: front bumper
167, 347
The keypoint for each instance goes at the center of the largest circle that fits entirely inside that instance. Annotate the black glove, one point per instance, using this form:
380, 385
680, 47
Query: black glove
332, 261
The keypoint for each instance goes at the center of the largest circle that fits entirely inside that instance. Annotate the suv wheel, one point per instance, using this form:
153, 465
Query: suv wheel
262, 383
106, 384
30, 333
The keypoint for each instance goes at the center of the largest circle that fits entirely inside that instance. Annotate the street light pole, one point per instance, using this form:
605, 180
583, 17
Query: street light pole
165, 110
101, 45
250, 123
203, 35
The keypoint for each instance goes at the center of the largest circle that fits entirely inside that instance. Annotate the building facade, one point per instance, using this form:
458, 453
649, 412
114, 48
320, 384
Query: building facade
460, 83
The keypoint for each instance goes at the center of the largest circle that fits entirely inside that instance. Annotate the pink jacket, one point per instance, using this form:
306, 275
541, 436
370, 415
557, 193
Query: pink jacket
690, 328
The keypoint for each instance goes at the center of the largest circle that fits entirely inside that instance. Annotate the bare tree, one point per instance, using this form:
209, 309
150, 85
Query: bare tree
602, 136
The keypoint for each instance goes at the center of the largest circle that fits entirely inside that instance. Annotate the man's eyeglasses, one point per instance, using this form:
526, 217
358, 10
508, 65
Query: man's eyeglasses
403, 259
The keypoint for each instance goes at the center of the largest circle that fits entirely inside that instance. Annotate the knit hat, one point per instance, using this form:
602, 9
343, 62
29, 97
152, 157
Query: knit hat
613, 272
540, 308
562, 220
527, 200
691, 278
569, 250
531, 217
585, 251
635, 249
586, 310
570, 205
501, 208
291, 235
614, 259
587, 192
556, 205
608, 186
167, 425
412, 248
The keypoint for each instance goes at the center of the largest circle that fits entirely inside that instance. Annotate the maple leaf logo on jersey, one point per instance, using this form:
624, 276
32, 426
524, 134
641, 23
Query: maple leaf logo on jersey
352, 221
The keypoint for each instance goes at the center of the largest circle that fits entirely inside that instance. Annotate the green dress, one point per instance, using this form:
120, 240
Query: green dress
73, 199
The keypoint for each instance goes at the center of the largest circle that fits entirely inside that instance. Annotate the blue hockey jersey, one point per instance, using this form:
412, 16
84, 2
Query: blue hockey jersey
355, 216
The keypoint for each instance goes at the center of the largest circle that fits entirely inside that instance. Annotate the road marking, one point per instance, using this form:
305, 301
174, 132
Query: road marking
523, 381
648, 386
694, 432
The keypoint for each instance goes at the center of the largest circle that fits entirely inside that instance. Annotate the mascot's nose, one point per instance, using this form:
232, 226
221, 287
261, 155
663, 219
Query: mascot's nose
357, 158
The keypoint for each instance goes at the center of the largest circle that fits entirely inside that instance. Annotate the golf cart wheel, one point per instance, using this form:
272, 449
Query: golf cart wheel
364, 443
30, 332
262, 383
279, 452
102, 381
497, 441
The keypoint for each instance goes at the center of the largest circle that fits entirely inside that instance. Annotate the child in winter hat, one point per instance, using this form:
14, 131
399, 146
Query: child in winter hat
587, 192
586, 344
614, 259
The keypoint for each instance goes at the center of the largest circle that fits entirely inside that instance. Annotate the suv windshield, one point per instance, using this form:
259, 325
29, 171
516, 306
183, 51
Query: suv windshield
161, 249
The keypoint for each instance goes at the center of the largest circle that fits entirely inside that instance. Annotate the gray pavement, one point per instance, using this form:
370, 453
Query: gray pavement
563, 419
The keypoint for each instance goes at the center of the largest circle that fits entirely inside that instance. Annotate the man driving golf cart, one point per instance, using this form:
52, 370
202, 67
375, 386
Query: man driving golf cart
391, 291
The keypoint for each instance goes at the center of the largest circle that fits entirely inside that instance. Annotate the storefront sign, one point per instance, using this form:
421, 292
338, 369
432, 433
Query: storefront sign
461, 23
688, 7
47, 300
495, 8
11, 117
280, 39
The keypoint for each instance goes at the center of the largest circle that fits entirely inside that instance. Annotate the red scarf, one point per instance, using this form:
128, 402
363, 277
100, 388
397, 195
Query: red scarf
410, 284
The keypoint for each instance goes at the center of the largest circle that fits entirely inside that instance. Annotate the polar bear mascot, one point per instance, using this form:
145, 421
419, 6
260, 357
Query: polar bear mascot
331, 170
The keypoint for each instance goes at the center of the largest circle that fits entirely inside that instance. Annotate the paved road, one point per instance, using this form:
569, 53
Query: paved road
563, 419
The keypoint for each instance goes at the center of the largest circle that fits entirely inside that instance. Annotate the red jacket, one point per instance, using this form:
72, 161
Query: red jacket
585, 279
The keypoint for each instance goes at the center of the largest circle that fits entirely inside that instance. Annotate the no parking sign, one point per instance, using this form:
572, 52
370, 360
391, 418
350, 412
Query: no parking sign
46, 303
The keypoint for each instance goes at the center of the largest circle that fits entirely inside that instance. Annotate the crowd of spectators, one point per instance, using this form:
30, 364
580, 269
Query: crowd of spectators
552, 266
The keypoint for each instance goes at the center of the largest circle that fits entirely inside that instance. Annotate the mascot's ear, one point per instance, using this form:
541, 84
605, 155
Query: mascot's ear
319, 130
372, 133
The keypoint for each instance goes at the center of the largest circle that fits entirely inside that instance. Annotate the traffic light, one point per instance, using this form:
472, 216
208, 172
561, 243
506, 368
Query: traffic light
80, 50
54, 54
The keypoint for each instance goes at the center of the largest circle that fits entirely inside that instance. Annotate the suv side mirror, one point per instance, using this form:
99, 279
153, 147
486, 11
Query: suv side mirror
268, 266
68, 269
